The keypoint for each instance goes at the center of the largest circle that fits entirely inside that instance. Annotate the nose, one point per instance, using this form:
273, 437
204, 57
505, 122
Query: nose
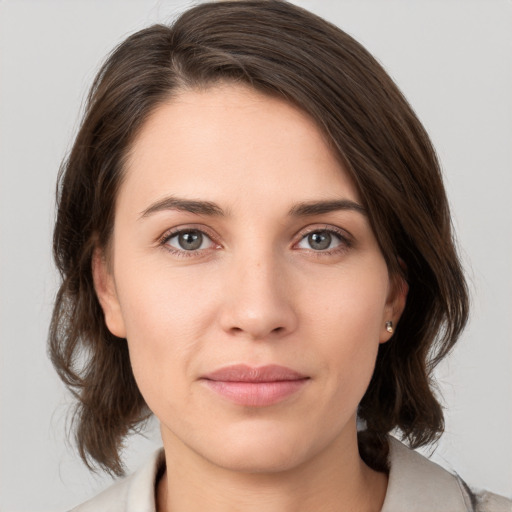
258, 303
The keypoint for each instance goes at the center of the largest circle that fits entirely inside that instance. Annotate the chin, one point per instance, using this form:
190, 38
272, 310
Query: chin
256, 460
266, 450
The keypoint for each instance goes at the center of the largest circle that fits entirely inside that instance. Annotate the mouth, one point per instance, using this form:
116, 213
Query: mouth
255, 386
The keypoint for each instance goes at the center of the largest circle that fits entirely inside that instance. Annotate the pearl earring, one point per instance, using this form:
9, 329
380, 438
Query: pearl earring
389, 326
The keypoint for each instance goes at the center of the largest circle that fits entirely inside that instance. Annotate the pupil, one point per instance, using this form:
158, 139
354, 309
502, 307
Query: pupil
191, 240
319, 241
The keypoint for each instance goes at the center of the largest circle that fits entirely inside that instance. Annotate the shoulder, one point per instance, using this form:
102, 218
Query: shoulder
489, 502
135, 493
417, 484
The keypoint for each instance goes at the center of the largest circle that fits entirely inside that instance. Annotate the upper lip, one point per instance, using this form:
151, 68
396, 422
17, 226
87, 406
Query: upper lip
245, 373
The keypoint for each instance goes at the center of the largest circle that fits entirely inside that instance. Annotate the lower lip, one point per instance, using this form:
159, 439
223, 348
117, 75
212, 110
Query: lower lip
256, 394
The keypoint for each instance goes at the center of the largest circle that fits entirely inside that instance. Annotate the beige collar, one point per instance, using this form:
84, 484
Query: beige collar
417, 484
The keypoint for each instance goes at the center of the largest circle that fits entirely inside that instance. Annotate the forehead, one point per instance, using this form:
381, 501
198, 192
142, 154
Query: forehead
232, 141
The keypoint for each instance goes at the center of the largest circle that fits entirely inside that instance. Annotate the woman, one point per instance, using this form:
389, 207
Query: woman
255, 246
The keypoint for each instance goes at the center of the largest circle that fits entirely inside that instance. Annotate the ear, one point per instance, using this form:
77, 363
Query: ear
104, 285
395, 306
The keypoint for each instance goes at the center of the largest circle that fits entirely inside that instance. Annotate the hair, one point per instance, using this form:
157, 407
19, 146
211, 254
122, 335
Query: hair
285, 51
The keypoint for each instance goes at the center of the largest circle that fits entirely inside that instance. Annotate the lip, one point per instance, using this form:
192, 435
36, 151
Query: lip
255, 386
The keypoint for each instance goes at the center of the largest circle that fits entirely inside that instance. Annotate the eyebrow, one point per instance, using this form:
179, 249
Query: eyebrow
184, 205
311, 208
208, 208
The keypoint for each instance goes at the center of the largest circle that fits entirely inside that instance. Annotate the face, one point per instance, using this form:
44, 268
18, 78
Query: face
247, 280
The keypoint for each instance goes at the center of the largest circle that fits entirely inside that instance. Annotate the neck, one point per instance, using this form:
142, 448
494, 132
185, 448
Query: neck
336, 479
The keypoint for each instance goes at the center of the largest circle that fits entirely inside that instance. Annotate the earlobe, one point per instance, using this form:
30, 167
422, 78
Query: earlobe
104, 286
394, 307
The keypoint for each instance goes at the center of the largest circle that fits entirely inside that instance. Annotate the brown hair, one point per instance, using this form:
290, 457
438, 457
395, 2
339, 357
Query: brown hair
283, 50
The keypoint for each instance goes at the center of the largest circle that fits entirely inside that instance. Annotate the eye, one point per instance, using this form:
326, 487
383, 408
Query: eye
189, 240
321, 240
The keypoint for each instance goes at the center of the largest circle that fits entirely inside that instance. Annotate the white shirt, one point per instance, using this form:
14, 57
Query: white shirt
415, 484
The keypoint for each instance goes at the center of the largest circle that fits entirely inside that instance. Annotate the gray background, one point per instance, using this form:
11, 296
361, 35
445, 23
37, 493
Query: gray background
452, 59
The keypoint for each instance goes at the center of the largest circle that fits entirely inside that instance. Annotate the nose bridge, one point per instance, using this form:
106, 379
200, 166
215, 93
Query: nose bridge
258, 303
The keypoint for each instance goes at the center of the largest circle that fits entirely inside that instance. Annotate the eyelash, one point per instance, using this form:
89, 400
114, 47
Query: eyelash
345, 241
182, 253
344, 238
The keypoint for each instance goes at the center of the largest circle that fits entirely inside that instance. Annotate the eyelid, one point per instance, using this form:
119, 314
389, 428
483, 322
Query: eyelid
174, 231
342, 233
344, 236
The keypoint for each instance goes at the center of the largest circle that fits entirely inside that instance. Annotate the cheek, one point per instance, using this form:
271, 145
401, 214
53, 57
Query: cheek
160, 302
166, 316
350, 304
346, 321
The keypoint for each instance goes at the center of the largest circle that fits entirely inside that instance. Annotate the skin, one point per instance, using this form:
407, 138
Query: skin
257, 292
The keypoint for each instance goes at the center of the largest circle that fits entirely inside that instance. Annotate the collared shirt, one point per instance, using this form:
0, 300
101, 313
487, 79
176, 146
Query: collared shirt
415, 484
